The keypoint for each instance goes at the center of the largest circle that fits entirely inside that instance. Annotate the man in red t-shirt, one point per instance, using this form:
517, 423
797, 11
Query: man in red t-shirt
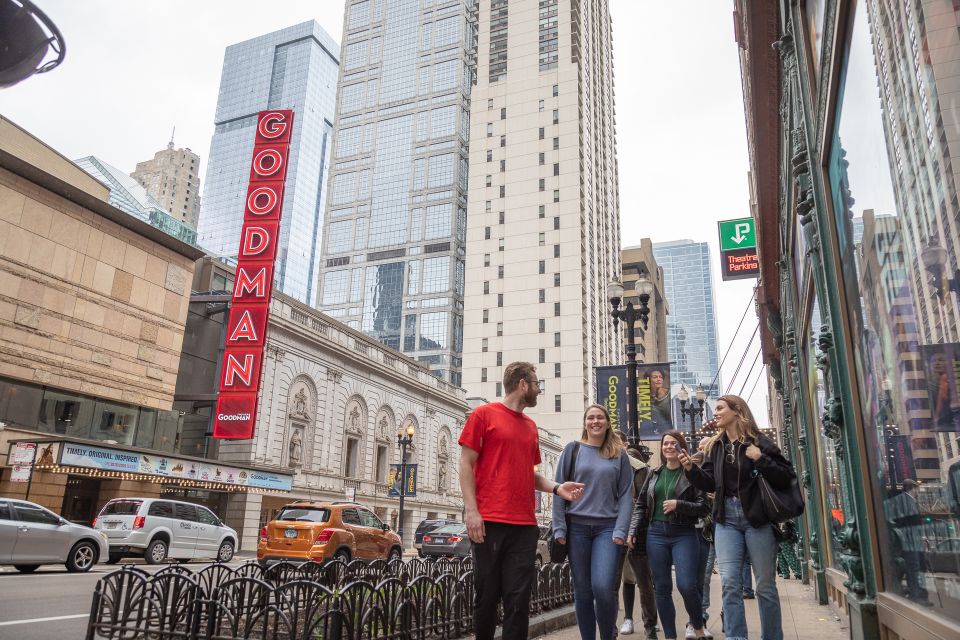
499, 450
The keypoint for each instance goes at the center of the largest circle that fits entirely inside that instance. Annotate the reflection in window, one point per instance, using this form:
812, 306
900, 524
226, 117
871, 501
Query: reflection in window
895, 201
436, 275
434, 330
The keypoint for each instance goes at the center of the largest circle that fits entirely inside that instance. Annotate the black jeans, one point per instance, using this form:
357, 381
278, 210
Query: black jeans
503, 568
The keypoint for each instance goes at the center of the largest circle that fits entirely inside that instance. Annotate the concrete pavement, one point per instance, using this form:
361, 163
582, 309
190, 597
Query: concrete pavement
803, 618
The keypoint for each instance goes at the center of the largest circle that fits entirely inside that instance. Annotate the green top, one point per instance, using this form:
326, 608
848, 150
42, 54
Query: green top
663, 490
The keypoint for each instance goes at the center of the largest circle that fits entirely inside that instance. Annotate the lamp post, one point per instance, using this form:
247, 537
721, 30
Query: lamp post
935, 261
404, 440
693, 410
630, 314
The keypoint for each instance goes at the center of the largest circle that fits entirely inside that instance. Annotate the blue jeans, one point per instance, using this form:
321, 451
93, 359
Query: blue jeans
747, 577
732, 540
707, 574
595, 561
671, 545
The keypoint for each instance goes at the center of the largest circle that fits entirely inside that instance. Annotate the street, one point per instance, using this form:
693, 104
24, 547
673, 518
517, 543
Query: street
53, 603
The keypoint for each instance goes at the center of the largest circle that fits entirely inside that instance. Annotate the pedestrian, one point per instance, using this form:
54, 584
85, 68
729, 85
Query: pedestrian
706, 557
734, 459
664, 528
499, 449
636, 569
787, 552
595, 527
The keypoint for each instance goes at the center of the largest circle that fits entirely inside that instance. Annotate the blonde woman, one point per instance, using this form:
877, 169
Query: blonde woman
735, 458
595, 526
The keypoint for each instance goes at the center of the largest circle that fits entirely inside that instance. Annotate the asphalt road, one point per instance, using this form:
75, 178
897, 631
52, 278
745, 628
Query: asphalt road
53, 603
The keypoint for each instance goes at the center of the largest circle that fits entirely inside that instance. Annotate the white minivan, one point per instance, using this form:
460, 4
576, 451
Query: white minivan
156, 529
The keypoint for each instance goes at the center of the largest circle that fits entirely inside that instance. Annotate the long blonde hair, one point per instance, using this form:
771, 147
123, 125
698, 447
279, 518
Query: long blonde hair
744, 424
611, 447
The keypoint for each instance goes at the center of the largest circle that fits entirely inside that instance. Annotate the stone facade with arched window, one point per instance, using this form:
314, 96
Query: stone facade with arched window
332, 402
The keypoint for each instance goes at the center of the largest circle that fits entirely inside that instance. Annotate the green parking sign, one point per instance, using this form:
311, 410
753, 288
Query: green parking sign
737, 234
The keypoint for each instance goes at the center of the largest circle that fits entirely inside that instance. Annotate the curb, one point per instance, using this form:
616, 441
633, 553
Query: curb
545, 623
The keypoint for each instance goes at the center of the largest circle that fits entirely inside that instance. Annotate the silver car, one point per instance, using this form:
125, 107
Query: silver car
31, 535
155, 529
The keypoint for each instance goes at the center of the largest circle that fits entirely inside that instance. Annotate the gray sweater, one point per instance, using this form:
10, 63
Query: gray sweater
607, 490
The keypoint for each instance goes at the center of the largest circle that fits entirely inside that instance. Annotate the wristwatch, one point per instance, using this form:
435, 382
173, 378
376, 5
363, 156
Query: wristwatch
556, 489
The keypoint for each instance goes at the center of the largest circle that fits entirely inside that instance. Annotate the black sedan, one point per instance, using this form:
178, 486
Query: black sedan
448, 541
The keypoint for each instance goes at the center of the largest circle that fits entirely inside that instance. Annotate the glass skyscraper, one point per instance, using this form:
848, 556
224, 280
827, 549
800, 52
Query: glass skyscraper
294, 68
393, 256
692, 322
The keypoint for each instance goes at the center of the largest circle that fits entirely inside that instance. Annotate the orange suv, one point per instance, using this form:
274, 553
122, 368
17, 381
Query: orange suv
319, 531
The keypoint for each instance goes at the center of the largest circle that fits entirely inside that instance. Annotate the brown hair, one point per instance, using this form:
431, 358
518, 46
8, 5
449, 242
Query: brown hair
744, 424
514, 373
611, 447
676, 435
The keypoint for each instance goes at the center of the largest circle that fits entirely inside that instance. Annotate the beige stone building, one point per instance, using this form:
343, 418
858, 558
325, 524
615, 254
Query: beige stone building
93, 304
652, 341
173, 178
543, 237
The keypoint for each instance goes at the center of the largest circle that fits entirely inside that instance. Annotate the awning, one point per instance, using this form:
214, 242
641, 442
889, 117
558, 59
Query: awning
103, 461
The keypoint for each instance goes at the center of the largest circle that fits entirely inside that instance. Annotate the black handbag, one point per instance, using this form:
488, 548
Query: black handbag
780, 505
558, 552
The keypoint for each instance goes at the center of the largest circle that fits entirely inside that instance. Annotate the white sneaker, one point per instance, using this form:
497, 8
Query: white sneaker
627, 627
690, 632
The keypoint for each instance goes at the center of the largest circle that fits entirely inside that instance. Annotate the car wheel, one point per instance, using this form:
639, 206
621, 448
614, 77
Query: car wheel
156, 552
82, 557
395, 554
114, 559
225, 553
26, 568
342, 554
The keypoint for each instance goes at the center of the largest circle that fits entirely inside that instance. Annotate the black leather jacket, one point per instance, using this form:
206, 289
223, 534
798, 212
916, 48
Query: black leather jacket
692, 504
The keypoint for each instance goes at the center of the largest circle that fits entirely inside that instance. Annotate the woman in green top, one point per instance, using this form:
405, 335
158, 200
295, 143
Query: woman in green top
664, 529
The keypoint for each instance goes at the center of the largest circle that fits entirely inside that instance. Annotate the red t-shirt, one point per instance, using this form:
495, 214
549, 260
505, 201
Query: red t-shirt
509, 448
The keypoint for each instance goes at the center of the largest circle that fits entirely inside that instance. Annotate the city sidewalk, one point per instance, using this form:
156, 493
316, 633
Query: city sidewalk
803, 618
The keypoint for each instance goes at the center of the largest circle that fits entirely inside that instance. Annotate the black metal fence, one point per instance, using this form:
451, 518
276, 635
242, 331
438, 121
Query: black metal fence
335, 601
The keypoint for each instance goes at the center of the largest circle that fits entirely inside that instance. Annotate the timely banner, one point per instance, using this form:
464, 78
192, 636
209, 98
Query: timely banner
236, 415
942, 364
409, 484
654, 404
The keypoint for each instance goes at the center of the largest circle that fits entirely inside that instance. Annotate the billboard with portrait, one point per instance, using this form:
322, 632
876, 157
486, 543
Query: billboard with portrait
942, 365
654, 403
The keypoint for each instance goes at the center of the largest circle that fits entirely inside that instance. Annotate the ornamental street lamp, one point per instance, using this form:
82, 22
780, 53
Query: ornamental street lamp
404, 440
629, 314
693, 410
935, 261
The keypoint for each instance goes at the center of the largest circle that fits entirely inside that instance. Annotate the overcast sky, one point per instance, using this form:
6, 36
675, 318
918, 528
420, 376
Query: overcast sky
134, 70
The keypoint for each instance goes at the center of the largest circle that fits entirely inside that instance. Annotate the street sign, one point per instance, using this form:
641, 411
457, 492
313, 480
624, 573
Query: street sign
24, 453
738, 249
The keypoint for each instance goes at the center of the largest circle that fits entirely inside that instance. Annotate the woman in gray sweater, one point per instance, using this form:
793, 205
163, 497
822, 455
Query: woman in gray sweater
595, 526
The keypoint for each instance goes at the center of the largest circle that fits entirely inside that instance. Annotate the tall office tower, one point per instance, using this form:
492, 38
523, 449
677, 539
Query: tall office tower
543, 237
393, 256
128, 195
172, 177
294, 68
692, 323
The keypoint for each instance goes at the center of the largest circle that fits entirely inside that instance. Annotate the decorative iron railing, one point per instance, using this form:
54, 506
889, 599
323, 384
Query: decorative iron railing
412, 600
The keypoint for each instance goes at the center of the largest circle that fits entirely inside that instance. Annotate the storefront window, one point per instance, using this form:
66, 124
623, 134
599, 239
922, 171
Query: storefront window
66, 414
892, 163
114, 422
825, 451
20, 404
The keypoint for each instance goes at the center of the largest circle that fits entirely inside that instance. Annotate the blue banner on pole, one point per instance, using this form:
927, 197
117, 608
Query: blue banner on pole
654, 403
409, 483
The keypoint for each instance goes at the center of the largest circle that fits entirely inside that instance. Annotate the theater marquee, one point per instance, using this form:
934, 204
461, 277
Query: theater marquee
250, 305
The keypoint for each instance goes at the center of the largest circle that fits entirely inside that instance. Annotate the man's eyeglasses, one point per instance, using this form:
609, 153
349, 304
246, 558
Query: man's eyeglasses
541, 386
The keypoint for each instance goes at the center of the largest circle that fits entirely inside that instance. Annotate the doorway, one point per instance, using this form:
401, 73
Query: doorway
80, 499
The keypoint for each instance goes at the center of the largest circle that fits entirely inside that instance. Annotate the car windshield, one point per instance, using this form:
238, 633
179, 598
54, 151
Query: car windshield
122, 508
451, 528
304, 514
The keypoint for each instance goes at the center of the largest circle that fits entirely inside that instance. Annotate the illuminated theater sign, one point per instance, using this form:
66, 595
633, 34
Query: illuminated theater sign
250, 304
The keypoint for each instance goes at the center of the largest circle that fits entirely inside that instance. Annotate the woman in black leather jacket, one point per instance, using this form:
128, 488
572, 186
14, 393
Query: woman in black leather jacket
664, 529
735, 458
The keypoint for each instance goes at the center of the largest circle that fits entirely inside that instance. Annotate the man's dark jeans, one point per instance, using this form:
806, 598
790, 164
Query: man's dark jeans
503, 568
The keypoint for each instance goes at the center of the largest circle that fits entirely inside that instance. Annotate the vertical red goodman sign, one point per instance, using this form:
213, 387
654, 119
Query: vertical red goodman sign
250, 306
